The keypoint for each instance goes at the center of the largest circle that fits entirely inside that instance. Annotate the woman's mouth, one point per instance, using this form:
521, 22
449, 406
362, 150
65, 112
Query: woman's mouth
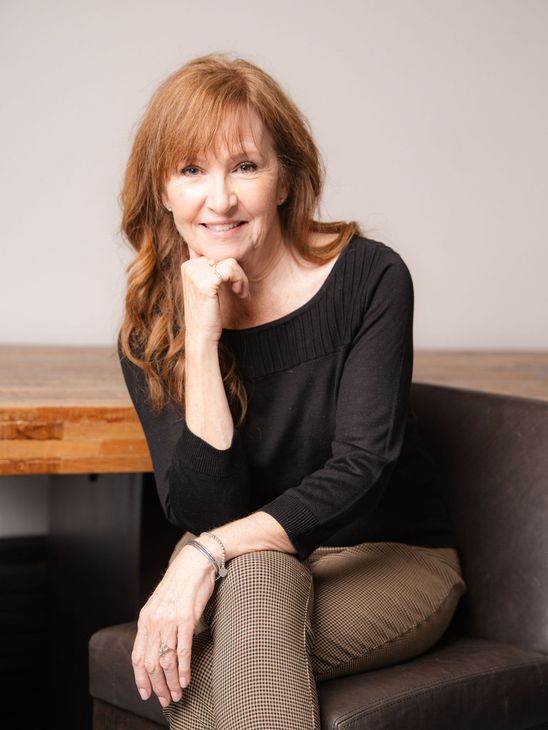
226, 228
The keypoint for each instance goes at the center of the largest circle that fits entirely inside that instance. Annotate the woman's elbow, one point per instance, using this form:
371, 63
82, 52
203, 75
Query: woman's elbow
187, 513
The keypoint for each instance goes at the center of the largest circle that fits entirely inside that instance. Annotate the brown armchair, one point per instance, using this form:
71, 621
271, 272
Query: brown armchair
490, 670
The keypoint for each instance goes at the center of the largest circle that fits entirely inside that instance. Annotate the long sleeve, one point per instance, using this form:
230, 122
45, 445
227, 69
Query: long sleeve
199, 486
370, 420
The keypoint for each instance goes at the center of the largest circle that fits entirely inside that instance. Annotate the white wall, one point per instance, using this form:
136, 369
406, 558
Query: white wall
431, 115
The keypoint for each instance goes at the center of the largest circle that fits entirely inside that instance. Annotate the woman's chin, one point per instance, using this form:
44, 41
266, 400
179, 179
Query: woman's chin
224, 249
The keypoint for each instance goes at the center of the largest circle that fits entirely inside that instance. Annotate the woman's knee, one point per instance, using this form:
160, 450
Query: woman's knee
262, 578
267, 572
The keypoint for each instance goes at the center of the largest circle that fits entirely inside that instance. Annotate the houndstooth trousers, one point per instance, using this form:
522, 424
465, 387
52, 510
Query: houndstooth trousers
274, 627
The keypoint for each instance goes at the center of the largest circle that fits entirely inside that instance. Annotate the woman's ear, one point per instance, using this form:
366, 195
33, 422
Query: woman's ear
282, 194
283, 186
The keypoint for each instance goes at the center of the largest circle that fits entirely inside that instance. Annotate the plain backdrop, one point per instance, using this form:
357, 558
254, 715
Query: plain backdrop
431, 116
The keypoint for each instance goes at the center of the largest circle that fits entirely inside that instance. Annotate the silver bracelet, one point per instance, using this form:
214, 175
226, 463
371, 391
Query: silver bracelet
210, 557
222, 569
205, 551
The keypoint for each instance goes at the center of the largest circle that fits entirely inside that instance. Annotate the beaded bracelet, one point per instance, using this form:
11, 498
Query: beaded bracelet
220, 570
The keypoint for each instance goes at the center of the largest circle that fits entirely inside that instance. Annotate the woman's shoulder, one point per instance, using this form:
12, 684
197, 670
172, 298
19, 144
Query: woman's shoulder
375, 250
366, 260
360, 252
373, 279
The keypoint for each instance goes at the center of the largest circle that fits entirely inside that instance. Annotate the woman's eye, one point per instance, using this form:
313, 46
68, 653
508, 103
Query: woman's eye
247, 167
193, 171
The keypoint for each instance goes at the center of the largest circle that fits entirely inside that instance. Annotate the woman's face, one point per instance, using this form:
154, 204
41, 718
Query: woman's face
227, 205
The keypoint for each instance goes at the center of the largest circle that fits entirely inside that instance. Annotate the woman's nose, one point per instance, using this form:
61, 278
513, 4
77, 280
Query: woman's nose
221, 195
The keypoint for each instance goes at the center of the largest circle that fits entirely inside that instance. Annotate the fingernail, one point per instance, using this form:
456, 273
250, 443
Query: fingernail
176, 696
163, 701
143, 693
183, 682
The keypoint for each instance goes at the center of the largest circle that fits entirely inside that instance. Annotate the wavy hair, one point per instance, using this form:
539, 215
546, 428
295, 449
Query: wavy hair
181, 122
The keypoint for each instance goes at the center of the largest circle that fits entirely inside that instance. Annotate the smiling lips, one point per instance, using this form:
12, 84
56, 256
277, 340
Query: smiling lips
222, 227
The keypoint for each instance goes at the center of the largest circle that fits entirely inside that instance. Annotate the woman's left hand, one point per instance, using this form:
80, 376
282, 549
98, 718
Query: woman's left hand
169, 617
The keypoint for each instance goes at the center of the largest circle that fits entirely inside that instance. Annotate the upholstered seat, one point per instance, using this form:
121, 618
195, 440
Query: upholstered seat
502, 685
490, 670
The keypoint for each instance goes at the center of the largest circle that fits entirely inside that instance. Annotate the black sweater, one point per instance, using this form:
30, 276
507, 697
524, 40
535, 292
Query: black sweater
329, 446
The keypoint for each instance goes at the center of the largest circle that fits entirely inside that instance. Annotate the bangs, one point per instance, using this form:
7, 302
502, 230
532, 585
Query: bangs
205, 127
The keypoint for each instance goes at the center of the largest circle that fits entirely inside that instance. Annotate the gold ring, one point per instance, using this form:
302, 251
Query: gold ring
212, 264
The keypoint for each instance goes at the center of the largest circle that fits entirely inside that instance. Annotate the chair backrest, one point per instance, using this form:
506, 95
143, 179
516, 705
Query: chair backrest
491, 453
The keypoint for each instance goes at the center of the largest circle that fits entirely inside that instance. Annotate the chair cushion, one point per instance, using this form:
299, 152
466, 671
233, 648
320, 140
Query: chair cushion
461, 682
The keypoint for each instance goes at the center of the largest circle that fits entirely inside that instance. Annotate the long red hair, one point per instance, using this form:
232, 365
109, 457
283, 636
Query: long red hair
182, 122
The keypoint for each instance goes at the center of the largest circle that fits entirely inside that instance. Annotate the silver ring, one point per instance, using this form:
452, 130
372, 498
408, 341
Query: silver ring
212, 264
164, 649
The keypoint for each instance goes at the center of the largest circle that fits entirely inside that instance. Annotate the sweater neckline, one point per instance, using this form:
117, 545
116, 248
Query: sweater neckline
304, 307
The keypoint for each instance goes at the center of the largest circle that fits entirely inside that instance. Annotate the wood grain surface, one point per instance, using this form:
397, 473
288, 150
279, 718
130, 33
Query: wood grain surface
66, 410
523, 374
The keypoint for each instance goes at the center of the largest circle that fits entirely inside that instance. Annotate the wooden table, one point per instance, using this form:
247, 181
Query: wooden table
523, 374
66, 411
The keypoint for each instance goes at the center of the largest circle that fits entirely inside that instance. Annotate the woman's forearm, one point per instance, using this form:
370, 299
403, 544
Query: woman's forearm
208, 416
207, 411
258, 531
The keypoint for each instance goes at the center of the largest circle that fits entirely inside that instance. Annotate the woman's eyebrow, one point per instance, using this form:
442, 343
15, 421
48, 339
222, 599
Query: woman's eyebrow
247, 151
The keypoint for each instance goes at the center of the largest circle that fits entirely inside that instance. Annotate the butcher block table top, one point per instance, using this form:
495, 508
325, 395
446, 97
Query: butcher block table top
66, 410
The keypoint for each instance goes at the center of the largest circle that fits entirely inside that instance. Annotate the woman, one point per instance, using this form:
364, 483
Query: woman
269, 358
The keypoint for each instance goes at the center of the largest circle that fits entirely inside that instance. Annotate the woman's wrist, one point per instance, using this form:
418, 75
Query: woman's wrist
196, 345
215, 549
212, 545
204, 566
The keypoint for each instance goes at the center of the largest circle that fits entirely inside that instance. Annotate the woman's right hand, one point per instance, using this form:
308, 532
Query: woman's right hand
201, 294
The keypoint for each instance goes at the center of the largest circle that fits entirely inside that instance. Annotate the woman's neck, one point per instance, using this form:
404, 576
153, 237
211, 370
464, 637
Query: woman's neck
277, 286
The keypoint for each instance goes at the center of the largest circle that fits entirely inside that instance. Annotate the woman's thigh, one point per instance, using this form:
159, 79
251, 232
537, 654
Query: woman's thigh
377, 604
